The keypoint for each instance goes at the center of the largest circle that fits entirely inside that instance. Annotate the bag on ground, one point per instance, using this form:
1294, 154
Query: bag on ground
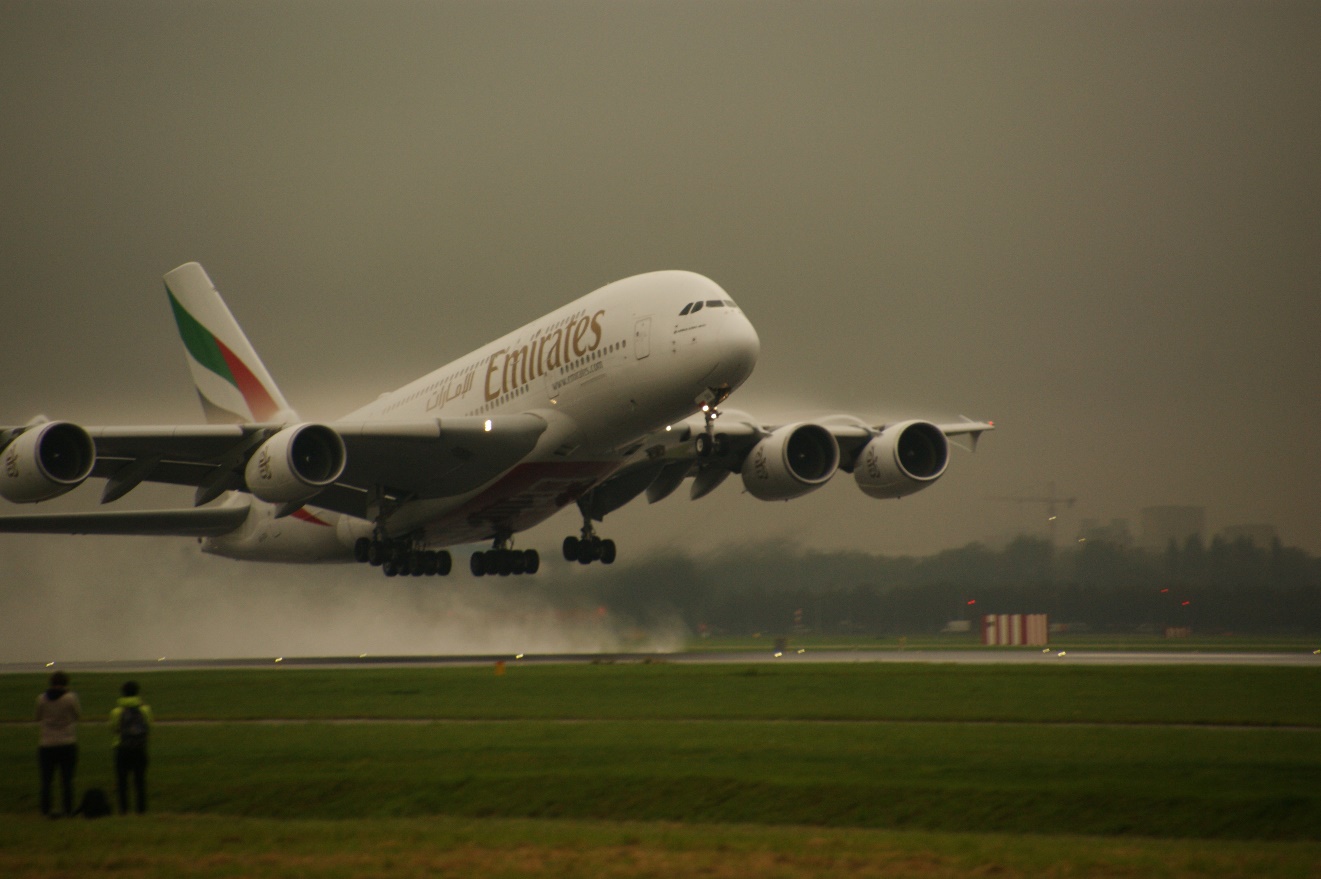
95, 804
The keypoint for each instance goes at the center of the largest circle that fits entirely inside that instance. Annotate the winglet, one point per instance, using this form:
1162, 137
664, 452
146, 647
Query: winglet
969, 428
231, 380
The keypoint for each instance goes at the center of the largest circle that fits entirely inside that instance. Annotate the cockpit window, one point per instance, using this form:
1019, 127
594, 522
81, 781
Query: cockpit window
694, 307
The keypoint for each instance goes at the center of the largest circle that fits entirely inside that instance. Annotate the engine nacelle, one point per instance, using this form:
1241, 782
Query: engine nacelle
904, 458
295, 464
46, 461
792, 461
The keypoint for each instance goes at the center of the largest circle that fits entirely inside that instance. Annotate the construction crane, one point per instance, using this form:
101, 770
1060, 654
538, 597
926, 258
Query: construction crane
1050, 499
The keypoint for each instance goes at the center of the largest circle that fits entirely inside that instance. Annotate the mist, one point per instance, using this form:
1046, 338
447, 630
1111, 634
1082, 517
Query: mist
99, 599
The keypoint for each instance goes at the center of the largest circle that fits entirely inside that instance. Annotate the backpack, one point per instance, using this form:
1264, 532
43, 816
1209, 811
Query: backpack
95, 804
133, 728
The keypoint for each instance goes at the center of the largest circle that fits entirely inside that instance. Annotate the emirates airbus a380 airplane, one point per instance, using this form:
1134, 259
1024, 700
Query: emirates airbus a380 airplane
614, 395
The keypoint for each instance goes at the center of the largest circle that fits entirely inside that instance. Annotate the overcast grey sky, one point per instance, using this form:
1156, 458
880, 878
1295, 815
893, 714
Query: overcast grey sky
1098, 224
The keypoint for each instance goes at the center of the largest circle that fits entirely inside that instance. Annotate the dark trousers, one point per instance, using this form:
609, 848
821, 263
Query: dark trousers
65, 759
131, 762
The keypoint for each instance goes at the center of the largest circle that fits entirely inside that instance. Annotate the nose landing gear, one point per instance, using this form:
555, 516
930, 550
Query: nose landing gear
709, 443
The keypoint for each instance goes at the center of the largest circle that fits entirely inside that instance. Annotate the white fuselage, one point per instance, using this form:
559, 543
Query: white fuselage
604, 372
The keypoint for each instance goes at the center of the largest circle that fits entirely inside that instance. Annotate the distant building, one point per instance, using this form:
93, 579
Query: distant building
1116, 533
1016, 629
1262, 536
1160, 525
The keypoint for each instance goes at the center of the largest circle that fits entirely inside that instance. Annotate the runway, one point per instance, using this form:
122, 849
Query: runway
1018, 657
791, 656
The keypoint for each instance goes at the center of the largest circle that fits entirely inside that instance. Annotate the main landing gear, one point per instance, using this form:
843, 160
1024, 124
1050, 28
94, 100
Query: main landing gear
501, 560
398, 558
588, 548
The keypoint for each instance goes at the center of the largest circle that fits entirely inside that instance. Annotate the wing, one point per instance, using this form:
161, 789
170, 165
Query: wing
788, 460
345, 467
427, 459
210, 522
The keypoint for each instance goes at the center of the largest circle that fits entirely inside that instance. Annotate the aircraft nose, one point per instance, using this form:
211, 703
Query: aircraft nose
739, 349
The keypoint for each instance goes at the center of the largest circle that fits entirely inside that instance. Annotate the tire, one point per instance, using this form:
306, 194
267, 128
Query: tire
444, 563
478, 564
607, 552
571, 548
531, 561
361, 549
389, 569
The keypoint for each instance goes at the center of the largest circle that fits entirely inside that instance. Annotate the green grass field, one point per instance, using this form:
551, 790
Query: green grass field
639, 770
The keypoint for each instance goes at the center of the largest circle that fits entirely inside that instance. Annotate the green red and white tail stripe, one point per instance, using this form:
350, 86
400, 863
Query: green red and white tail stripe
232, 382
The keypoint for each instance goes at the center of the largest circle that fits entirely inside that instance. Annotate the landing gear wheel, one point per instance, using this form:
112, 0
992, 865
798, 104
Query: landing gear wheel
588, 547
361, 549
503, 561
404, 556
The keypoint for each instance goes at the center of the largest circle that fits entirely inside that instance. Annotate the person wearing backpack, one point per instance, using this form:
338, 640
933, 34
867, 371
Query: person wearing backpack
57, 746
130, 721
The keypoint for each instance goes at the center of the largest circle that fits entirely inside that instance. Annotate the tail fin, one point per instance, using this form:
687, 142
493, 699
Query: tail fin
231, 380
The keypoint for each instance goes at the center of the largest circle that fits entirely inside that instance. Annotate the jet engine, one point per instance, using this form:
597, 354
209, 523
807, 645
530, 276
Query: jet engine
46, 461
902, 459
790, 462
296, 464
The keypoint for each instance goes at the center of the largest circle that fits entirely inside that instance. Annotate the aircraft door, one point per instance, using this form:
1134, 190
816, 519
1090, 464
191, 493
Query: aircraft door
642, 338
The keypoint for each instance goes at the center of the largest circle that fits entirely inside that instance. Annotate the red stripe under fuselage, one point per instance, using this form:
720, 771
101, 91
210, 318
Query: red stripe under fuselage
525, 496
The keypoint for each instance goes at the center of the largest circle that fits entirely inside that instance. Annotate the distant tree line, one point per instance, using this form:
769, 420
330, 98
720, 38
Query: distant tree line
774, 588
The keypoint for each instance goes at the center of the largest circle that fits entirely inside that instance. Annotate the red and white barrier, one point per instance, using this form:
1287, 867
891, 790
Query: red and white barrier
1015, 629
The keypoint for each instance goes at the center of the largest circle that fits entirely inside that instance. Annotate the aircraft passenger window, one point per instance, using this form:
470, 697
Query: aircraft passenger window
715, 303
685, 309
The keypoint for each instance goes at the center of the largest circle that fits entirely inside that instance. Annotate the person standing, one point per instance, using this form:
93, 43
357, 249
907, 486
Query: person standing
57, 745
130, 721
